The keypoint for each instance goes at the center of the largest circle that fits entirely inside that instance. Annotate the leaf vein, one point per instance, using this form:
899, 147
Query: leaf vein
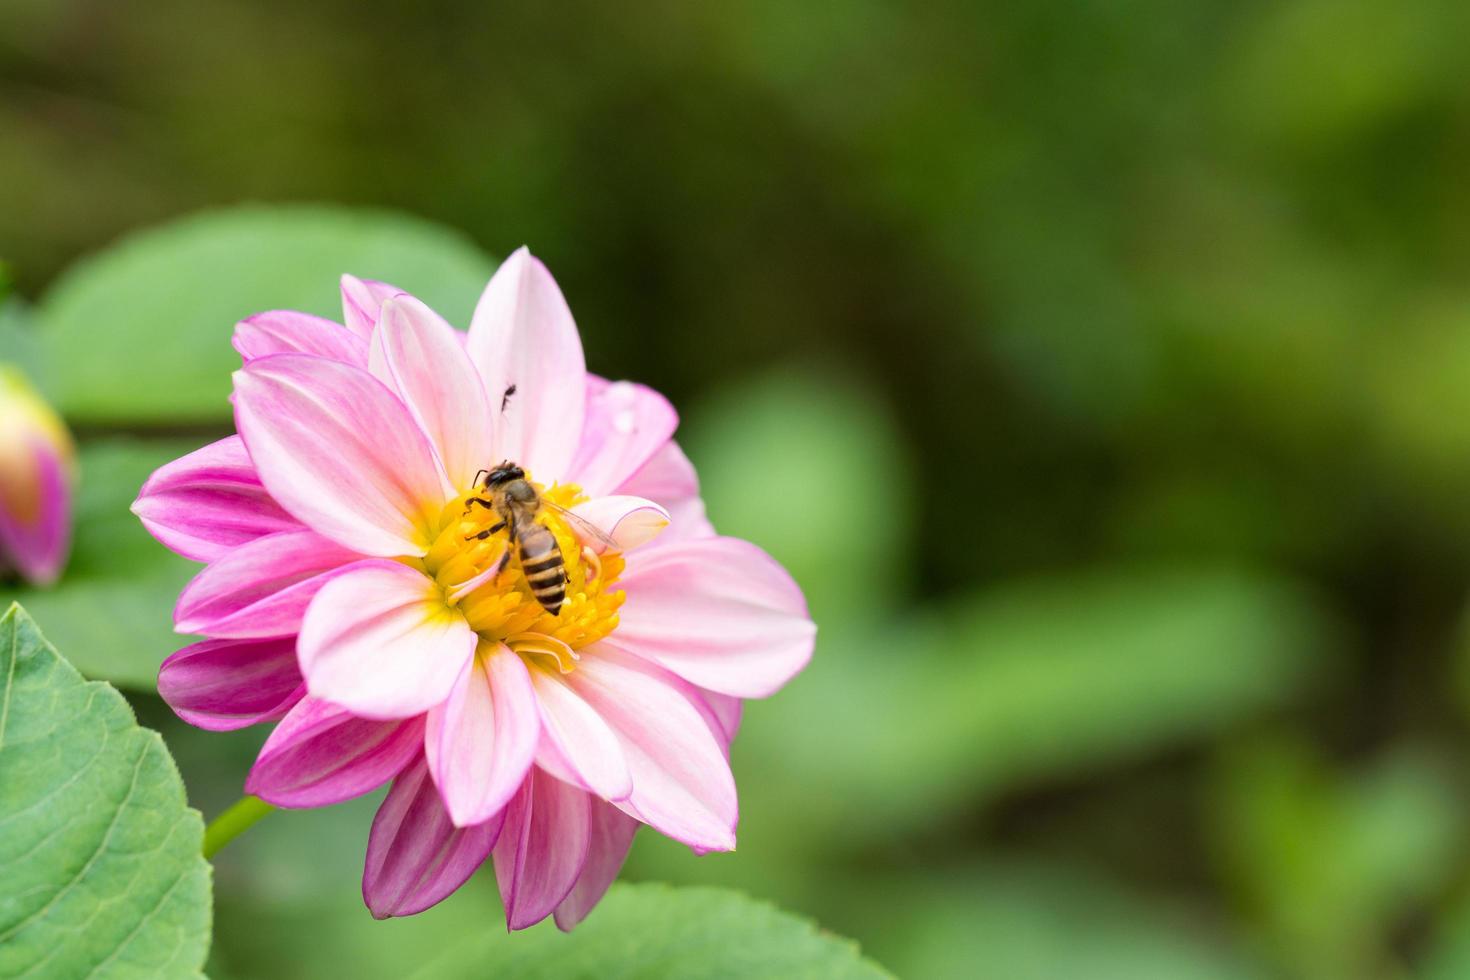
97, 853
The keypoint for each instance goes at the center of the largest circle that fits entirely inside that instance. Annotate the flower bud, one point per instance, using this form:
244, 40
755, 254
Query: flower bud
37, 470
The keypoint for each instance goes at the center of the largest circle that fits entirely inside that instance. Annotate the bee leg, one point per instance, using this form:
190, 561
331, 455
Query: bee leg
469, 504
485, 533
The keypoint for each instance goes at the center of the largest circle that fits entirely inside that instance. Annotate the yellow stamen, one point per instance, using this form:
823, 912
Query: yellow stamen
537, 644
500, 605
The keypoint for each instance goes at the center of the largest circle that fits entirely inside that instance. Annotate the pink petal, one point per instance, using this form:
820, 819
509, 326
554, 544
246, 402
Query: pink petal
481, 740
522, 335
289, 332
37, 547
718, 612
541, 852
681, 780
361, 301
320, 754
261, 588
725, 712
222, 685
626, 425
416, 857
421, 359
338, 450
203, 504
630, 521
379, 640
587, 751
667, 477
612, 836
669, 480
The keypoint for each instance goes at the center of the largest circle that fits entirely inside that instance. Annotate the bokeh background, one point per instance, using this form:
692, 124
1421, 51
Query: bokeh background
1102, 369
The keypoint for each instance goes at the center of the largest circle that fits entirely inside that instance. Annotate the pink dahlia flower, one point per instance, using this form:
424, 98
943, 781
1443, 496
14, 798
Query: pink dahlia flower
37, 469
355, 594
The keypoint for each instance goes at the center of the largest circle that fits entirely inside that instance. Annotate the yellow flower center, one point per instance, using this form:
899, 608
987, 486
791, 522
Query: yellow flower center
501, 607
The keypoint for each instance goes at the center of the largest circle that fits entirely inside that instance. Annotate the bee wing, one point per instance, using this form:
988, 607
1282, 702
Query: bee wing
583, 527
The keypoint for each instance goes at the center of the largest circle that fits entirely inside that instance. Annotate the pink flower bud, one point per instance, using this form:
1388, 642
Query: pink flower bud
37, 471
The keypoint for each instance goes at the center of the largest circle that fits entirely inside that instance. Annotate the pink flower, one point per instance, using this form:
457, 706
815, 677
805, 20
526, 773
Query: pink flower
354, 593
37, 469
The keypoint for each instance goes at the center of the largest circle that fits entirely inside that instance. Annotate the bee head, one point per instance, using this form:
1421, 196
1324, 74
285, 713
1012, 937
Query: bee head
506, 472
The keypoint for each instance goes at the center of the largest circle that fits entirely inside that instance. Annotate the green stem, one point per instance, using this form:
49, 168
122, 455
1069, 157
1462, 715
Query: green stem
233, 822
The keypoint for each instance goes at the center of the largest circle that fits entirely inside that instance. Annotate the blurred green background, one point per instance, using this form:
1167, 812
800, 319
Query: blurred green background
1101, 369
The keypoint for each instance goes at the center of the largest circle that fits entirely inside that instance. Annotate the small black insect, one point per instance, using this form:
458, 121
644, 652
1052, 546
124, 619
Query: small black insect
505, 398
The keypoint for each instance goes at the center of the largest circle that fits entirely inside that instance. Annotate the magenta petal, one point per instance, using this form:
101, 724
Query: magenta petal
37, 546
261, 588
416, 857
338, 450
626, 425
379, 640
718, 612
523, 337
210, 501
361, 301
222, 685
289, 332
612, 836
424, 362
480, 741
682, 784
542, 849
319, 755
669, 480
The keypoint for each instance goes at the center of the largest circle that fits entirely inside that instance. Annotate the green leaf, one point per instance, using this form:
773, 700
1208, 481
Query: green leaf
652, 931
99, 852
140, 334
110, 610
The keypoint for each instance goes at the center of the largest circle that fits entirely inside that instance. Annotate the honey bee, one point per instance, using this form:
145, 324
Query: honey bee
515, 501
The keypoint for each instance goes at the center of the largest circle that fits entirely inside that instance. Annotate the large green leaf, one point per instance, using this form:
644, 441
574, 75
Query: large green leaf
99, 852
140, 334
652, 931
110, 610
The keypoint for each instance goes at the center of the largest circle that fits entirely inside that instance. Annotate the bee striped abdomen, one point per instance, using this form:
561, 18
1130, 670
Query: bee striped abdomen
542, 564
